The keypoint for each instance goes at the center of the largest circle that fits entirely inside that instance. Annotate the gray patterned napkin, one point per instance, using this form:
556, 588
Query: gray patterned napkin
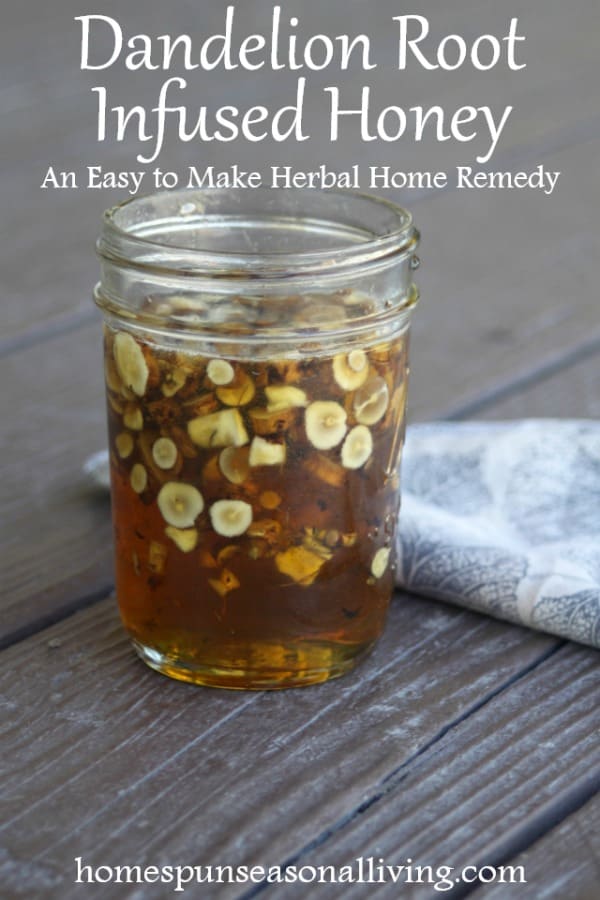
504, 518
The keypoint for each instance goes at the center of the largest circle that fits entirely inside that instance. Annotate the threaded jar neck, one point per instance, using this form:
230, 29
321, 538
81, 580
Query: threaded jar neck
272, 265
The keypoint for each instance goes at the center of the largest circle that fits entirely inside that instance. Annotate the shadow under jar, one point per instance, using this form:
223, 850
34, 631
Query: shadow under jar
256, 367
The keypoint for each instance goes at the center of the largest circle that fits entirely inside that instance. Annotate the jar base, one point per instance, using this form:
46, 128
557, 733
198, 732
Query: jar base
312, 664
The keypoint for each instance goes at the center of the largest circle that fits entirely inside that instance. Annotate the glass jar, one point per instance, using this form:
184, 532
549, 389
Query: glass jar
256, 346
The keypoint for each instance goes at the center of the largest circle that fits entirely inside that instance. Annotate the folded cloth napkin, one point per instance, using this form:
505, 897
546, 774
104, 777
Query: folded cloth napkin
504, 518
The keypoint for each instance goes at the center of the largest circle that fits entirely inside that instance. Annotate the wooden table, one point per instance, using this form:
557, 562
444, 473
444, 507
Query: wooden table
462, 739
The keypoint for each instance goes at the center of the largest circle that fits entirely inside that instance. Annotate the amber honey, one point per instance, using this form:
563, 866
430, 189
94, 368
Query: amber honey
255, 505
256, 360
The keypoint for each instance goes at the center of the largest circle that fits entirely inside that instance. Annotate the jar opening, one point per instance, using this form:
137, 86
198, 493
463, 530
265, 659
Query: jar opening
262, 232
279, 265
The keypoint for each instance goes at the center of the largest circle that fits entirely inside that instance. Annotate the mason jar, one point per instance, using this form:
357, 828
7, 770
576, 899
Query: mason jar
256, 360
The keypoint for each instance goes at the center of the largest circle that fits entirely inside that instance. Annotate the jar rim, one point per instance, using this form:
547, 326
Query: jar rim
130, 240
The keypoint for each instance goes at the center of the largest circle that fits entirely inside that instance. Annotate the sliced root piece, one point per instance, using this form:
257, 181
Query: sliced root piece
162, 309
187, 304
380, 562
284, 396
325, 423
185, 539
111, 374
130, 362
187, 447
313, 541
146, 442
163, 413
268, 529
257, 549
230, 517
207, 560
133, 418
358, 360
164, 453
265, 453
356, 298
332, 537
350, 371
138, 478
286, 370
269, 500
225, 583
371, 401
173, 382
219, 429
124, 444
233, 463
211, 470
116, 404
396, 408
381, 354
299, 564
227, 553
180, 504
240, 392
202, 405
157, 557
326, 469
357, 447
266, 421
220, 371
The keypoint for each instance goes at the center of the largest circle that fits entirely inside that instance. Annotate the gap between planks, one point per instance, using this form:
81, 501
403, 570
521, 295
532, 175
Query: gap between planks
390, 782
39, 333
90, 649
537, 374
54, 617
507, 851
569, 852
513, 840
542, 823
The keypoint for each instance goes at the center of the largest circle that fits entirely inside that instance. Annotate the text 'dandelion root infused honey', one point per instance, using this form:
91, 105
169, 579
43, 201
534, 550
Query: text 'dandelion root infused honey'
256, 363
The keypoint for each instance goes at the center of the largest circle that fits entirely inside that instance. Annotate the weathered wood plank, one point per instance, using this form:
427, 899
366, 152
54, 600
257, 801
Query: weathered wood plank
488, 784
104, 756
55, 528
575, 389
523, 305
563, 863
105, 759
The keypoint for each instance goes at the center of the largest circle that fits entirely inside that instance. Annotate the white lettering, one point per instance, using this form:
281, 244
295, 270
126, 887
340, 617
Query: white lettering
495, 130
405, 44
117, 35
511, 40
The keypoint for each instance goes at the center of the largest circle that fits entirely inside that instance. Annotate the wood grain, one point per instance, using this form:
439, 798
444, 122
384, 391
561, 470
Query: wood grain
461, 739
563, 863
55, 527
106, 759
488, 784
575, 388
516, 311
